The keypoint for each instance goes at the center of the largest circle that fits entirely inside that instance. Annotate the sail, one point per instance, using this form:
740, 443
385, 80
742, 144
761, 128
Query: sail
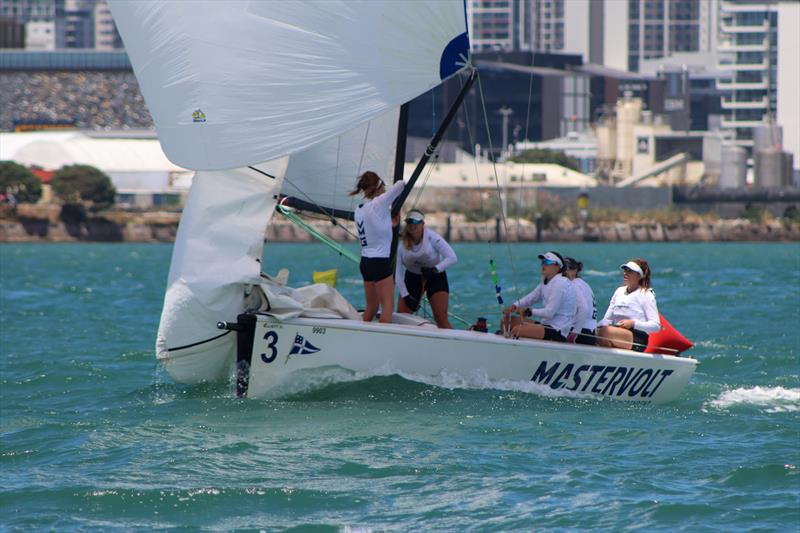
217, 254
233, 83
325, 173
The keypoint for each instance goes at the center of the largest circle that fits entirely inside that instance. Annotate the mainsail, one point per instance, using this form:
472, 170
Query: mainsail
234, 83
242, 84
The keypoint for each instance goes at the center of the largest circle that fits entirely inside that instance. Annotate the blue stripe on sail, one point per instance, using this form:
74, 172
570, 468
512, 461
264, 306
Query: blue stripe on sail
454, 55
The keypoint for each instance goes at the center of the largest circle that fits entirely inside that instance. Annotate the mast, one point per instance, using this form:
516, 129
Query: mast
431, 149
402, 135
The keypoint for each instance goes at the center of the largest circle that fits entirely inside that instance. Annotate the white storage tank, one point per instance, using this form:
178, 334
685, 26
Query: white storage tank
733, 167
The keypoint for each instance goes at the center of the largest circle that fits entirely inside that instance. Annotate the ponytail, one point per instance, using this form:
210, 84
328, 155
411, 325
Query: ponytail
368, 183
644, 281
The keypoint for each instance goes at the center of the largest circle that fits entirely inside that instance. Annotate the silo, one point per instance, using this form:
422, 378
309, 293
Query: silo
712, 154
733, 167
767, 136
769, 168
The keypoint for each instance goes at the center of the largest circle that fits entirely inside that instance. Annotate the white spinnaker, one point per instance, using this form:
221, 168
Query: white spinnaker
233, 83
217, 253
325, 173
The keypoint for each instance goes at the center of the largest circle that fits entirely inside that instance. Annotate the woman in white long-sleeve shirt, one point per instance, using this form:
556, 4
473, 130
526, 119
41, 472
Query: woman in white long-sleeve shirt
585, 324
632, 314
558, 297
374, 223
422, 258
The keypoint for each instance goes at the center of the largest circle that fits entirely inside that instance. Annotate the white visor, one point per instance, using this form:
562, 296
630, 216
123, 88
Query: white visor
630, 265
550, 256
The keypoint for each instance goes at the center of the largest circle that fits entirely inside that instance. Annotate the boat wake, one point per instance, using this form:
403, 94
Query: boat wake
769, 399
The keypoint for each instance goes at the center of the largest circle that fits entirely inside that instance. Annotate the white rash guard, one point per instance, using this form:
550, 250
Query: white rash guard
431, 251
558, 297
586, 316
639, 306
373, 220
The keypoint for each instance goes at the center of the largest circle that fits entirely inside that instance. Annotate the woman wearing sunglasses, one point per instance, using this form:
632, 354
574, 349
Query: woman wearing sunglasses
374, 223
422, 258
558, 297
585, 325
632, 314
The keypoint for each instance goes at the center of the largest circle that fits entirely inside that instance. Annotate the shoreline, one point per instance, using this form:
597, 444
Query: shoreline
160, 228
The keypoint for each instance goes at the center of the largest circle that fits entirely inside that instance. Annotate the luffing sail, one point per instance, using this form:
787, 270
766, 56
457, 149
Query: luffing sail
233, 83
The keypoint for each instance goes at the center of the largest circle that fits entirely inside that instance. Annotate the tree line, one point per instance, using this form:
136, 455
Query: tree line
76, 185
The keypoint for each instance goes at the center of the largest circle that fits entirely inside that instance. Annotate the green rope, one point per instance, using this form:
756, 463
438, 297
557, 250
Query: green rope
311, 230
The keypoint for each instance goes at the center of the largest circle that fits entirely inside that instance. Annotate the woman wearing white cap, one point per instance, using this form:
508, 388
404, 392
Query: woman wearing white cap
374, 222
632, 314
558, 297
422, 258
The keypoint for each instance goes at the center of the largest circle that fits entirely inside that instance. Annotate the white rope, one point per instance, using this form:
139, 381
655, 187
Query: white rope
497, 184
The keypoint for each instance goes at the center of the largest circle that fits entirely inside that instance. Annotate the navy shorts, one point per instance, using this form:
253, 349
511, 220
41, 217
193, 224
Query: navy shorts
375, 268
640, 339
586, 336
551, 334
435, 283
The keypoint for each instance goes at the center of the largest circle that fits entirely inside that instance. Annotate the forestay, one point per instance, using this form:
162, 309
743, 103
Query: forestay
233, 83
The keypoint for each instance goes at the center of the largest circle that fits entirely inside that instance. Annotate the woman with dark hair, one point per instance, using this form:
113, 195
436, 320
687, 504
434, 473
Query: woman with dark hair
374, 223
558, 297
422, 258
632, 314
585, 325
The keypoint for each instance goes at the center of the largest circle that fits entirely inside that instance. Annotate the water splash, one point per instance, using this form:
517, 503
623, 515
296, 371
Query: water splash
771, 399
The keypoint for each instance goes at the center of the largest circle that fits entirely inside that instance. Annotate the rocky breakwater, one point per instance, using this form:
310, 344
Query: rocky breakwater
47, 223
37, 223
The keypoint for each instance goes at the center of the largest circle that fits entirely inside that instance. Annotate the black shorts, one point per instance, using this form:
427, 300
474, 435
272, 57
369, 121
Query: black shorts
586, 336
375, 268
435, 283
640, 339
551, 334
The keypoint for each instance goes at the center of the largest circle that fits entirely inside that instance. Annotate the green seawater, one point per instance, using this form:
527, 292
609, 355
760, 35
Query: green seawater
94, 436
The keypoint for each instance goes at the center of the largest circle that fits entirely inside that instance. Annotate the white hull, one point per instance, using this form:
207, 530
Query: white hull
282, 348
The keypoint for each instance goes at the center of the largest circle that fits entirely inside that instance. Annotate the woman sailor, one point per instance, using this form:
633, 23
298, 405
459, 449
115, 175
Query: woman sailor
583, 329
558, 296
374, 222
422, 258
632, 314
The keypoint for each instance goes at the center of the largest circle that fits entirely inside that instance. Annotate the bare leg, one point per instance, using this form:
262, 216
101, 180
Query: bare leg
511, 321
384, 290
615, 337
439, 303
371, 295
528, 331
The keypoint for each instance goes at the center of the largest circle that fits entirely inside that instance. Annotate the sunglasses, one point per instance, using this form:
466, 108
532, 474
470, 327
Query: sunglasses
414, 221
547, 262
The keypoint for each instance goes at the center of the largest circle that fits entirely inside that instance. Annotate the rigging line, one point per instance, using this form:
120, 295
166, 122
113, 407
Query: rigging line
497, 182
364, 148
428, 172
326, 212
335, 183
522, 173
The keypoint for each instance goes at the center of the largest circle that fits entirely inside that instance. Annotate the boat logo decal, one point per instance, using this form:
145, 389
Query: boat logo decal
198, 115
301, 346
611, 380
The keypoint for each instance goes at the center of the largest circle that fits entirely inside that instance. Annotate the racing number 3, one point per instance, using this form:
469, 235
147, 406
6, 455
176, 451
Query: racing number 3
272, 339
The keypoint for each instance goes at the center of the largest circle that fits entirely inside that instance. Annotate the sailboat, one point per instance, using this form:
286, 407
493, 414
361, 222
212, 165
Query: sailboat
286, 102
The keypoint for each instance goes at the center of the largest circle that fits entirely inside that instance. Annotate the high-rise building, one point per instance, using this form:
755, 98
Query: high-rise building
106, 36
789, 78
748, 47
499, 24
659, 28
60, 24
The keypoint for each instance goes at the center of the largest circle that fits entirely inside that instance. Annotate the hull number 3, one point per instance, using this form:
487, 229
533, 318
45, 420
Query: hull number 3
272, 339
